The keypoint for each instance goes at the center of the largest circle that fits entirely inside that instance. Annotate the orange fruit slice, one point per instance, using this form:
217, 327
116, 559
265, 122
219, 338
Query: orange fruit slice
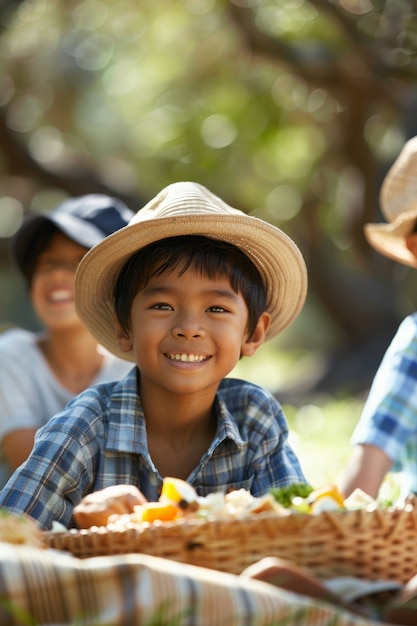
152, 511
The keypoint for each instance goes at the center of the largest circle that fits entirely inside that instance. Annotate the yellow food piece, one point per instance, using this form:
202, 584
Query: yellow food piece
300, 505
177, 490
163, 511
327, 498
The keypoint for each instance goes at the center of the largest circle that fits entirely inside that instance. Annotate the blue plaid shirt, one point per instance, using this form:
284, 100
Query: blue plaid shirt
389, 417
100, 440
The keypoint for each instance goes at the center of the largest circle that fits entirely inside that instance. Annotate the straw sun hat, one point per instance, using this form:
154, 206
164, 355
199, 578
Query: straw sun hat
399, 205
187, 208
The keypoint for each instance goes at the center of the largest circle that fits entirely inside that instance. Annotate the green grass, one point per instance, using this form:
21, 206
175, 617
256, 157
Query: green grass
320, 433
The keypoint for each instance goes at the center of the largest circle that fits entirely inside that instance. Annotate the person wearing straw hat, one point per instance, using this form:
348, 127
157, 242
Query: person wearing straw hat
184, 291
41, 371
385, 438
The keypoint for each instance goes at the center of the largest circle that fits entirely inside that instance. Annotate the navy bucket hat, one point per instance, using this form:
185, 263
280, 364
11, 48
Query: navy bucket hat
86, 220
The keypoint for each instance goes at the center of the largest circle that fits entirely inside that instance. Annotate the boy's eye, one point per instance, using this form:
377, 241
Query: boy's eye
46, 267
162, 306
217, 309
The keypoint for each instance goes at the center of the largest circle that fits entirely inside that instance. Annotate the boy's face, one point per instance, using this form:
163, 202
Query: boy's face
52, 287
189, 331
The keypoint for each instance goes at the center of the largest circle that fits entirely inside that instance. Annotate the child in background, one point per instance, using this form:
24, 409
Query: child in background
385, 438
189, 287
40, 372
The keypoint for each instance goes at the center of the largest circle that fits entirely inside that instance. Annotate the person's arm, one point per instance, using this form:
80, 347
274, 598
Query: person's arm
59, 471
365, 470
17, 445
26, 395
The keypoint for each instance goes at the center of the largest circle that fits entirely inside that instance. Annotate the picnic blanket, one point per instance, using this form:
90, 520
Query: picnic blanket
45, 587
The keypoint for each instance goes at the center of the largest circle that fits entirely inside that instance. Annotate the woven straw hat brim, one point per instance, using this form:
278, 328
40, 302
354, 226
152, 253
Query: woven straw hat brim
389, 239
398, 199
399, 188
275, 255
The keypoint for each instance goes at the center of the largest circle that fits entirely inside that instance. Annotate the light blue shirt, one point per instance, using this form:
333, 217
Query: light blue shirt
389, 417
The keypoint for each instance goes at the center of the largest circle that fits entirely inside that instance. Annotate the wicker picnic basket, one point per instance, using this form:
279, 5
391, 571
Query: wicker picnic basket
381, 544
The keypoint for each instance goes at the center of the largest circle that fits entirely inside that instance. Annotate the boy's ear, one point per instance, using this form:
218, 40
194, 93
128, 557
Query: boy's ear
252, 343
123, 338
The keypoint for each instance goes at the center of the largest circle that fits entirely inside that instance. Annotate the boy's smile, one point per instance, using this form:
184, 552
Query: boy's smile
190, 358
187, 331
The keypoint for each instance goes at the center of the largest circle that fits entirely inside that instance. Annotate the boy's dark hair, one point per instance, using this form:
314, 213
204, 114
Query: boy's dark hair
32, 252
211, 257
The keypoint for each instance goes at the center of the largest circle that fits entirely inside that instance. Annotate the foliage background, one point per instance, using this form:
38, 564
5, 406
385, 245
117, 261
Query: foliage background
291, 110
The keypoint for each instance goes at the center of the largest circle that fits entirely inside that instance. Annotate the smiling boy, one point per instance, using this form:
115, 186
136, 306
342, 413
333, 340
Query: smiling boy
189, 287
40, 371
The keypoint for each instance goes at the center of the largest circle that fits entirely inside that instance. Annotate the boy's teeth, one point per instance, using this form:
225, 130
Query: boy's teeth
61, 294
191, 358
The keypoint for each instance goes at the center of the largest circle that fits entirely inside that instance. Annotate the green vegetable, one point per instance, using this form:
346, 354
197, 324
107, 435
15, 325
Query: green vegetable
285, 495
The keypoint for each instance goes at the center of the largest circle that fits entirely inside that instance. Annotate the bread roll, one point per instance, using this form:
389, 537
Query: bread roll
96, 508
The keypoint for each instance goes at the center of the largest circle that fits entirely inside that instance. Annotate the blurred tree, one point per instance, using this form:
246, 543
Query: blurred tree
292, 110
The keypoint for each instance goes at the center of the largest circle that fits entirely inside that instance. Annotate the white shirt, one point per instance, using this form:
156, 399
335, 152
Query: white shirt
30, 394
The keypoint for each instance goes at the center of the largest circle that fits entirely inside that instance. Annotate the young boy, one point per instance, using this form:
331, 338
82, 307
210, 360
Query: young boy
41, 371
184, 291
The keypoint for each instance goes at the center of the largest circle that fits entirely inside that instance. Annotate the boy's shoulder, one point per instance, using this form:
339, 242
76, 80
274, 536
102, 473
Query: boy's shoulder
410, 320
112, 396
245, 402
406, 334
230, 382
14, 340
230, 387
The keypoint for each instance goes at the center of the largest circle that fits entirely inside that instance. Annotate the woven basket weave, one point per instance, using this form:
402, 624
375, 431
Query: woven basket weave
369, 545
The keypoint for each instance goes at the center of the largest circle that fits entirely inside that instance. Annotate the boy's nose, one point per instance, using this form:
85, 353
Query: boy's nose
189, 333
188, 328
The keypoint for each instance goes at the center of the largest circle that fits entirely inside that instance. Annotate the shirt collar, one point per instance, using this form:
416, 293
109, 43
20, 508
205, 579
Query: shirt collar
227, 427
128, 433
127, 429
